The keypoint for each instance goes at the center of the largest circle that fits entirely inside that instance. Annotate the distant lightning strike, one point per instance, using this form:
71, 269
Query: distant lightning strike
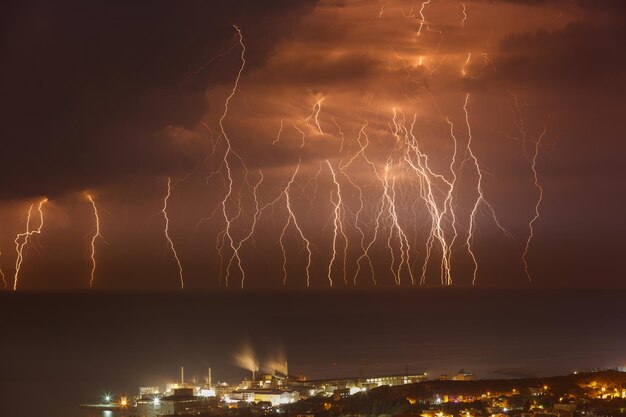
317, 107
464, 15
229, 218
4, 281
538, 202
343, 137
450, 201
423, 19
291, 219
95, 236
465, 64
375, 213
479, 190
258, 210
303, 141
439, 208
337, 227
405, 248
279, 133
518, 121
363, 144
167, 233
21, 240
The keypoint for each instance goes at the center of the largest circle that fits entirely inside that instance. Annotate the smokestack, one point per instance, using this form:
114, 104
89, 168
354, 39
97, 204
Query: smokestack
286, 370
253, 375
182, 375
209, 377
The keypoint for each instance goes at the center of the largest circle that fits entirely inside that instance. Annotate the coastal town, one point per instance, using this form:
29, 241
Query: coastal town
590, 393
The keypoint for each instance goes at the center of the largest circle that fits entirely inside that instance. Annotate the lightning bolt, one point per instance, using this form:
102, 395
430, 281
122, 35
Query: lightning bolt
539, 188
317, 107
257, 213
464, 15
431, 181
228, 218
337, 227
279, 132
363, 142
423, 19
170, 243
465, 64
303, 142
95, 236
4, 281
21, 240
340, 131
449, 197
404, 242
291, 219
481, 197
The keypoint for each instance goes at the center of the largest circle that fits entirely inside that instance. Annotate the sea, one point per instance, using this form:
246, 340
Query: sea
63, 349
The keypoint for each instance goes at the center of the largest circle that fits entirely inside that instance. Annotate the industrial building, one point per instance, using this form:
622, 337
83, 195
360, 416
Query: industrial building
354, 384
183, 401
274, 396
265, 389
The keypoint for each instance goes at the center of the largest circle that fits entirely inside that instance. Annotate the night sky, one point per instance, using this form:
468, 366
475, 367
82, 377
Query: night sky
110, 99
292, 146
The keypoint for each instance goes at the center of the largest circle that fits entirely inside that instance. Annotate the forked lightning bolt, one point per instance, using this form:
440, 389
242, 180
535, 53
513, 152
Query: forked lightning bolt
166, 229
423, 19
21, 240
480, 200
228, 217
291, 219
539, 188
337, 227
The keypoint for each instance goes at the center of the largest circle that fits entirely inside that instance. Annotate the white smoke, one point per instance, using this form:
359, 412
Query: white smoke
246, 358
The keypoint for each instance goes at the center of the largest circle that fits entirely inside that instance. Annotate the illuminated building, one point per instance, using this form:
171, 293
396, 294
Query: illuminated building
340, 394
223, 390
181, 402
265, 381
145, 391
393, 380
275, 397
462, 375
360, 383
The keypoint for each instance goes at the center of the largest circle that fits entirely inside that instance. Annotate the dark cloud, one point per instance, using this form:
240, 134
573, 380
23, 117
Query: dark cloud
91, 90
585, 54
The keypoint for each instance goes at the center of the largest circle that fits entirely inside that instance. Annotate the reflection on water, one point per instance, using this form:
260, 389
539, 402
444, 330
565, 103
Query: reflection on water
107, 413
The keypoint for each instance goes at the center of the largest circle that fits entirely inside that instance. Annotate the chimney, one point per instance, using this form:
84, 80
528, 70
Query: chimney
182, 376
209, 377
